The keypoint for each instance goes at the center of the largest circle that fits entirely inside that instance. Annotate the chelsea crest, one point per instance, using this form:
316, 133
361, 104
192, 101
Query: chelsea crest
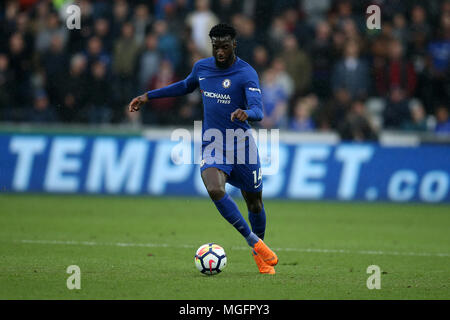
226, 83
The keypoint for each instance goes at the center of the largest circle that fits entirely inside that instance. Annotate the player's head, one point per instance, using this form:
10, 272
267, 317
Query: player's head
223, 38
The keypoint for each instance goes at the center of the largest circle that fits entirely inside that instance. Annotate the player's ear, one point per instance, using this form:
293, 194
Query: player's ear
234, 43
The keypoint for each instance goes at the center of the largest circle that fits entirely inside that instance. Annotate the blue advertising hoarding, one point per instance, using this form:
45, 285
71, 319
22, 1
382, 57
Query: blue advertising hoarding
139, 166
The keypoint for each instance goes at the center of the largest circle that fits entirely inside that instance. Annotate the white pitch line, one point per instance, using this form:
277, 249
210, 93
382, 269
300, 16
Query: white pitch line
165, 245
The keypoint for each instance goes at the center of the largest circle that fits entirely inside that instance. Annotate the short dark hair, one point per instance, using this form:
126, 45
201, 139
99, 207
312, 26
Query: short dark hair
222, 30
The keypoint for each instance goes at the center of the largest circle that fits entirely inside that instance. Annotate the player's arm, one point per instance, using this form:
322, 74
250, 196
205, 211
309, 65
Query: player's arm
174, 90
254, 110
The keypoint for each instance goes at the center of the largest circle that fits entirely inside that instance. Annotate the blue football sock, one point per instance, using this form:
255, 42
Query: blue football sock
230, 211
258, 222
252, 239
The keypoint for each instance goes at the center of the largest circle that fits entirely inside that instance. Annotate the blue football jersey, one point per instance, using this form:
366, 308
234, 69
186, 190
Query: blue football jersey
223, 91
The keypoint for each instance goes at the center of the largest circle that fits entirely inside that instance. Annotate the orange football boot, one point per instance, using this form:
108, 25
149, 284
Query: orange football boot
262, 266
264, 252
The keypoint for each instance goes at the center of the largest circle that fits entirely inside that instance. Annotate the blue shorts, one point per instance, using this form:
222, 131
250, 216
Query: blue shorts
247, 177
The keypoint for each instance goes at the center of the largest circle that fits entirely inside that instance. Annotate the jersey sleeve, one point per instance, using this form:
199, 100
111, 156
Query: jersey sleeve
178, 88
253, 96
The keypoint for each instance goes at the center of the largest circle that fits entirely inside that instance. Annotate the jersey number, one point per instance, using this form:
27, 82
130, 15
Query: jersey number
257, 177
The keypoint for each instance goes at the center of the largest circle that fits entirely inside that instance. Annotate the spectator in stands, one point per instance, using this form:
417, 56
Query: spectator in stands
53, 26
7, 87
439, 52
126, 51
338, 42
77, 40
334, 112
96, 52
396, 111
351, 73
161, 111
398, 72
88, 15
418, 120
302, 118
275, 101
99, 8
72, 99
121, 13
298, 64
390, 8
276, 34
42, 111
351, 33
8, 21
322, 60
419, 32
298, 25
315, 10
149, 61
356, 126
442, 120
344, 11
163, 8
98, 108
20, 64
400, 28
283, 78
419, 24
291, 18
282, 6
176, 14
224, 9
262, 11
102, 31
261, 59
23, 26
54, 61
246, 39
141, 23
201, 20
192, 108
168, 44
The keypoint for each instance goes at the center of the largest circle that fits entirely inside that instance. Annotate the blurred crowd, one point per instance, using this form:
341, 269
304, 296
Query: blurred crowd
320, 67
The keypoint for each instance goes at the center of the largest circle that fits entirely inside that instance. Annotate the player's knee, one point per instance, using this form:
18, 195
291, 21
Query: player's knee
216, 193
255, 206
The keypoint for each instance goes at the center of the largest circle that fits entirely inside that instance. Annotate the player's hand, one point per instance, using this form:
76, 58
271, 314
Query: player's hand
239, 114
136, 103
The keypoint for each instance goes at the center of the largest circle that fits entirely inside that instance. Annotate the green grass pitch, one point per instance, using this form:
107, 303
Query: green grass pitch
143, 248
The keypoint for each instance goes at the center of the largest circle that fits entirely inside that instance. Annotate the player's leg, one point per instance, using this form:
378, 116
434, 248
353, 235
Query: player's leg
257, 218
214, 180
256, 212
248, 178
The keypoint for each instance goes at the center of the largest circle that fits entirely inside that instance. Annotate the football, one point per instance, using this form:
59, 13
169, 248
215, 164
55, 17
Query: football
210, 259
